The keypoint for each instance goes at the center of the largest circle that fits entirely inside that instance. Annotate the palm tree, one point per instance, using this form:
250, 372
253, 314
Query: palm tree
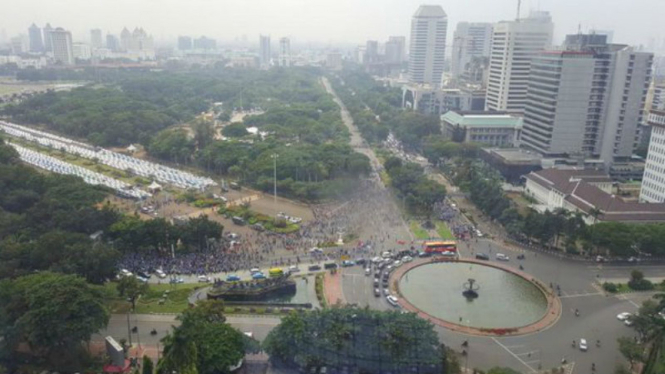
595, 213
180, 355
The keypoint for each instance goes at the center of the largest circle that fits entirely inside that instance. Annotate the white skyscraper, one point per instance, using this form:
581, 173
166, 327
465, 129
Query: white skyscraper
653, 181
514, 44
469, 40
427, 45
61, 41
96, 38
284, 52
264, 50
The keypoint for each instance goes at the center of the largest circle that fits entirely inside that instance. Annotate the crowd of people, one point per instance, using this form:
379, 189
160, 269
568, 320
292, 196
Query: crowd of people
368, 220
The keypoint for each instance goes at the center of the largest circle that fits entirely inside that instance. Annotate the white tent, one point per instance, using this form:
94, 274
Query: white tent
132, 148
154, 187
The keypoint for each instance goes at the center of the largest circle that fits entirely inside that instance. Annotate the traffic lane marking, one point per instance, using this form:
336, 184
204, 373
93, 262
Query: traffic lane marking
532, 370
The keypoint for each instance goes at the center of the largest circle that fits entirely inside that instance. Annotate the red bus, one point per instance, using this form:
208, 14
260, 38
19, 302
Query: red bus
440, 246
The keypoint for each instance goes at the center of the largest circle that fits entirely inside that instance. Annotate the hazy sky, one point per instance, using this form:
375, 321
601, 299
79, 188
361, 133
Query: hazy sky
353, 21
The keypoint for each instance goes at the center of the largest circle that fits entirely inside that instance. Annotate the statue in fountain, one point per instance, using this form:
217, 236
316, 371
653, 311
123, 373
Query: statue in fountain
470, 289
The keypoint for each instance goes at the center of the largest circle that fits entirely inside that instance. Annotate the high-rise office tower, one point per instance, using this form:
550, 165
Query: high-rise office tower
46, 31
587, 99
427, 48
112, 42
205, 43
396, 49
470, 40
514, 44
264, 50
371, 52
35, 35
184, 43
61, 41
96, 38
125, 40
284, 52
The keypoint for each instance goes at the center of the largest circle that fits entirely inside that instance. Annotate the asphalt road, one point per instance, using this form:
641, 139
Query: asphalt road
260, 326
545, 349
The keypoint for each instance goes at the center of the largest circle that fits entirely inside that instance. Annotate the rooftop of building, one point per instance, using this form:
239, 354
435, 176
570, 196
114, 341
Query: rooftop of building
515, 155
430, 11
579, 189
482, 119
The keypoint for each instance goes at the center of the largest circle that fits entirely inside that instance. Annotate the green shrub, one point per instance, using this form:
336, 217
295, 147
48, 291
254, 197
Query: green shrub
610, 287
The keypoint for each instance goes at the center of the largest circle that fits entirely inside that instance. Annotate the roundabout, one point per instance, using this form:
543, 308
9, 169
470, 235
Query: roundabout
475, 297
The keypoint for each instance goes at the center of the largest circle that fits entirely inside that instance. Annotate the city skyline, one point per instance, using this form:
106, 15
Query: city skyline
321, 21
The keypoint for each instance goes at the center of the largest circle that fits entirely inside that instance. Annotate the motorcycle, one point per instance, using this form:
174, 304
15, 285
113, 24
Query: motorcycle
153, 332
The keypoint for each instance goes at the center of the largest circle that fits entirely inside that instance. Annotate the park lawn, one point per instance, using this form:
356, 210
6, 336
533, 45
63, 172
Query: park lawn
174, 302
417, 230
443, 230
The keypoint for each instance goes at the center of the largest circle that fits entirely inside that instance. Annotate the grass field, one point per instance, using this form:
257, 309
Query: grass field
174, 296
417, 230
443, 230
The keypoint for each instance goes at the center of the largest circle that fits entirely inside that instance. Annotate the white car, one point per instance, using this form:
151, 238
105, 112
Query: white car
125, 273
502, 257
448, 254
315, 250
368, 271
254, 270
397, 263
203, 279
160, 273
293, 269
376, 260
407, 259
623, 316
142, 279
392, 300
386, 254
583, 345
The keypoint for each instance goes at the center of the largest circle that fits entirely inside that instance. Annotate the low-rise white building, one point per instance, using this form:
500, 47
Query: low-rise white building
499, 129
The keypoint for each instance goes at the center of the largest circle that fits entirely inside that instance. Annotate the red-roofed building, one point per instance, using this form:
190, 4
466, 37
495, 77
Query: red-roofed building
586, 191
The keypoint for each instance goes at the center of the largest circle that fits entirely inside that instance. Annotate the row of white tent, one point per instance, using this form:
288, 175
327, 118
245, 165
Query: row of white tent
54, 165
115, 160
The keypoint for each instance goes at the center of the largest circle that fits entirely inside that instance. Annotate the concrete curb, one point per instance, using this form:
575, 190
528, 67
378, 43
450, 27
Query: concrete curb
551, 316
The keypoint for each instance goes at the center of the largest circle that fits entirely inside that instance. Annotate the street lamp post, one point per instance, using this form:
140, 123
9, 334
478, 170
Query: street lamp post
274, 159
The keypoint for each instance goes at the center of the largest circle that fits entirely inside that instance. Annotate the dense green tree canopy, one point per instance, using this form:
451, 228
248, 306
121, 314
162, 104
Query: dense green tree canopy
217, 345
352, 337
53, 313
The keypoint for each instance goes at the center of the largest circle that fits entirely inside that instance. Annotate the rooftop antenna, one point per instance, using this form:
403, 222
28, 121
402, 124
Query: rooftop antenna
519, 5
579, 28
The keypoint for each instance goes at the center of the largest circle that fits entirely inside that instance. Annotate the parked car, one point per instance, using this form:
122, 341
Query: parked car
254, 270
407, 259
160, 273
142, 279
368, 271
347, 263
176, 280
482, 256
143, 274
386, 254
232, 278
258, 275
424, 254
330, 265
314, 268
203, 279
377, 292
623, 316
392, 300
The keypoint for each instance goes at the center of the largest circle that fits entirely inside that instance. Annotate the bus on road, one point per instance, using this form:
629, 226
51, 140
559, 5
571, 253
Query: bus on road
440, 246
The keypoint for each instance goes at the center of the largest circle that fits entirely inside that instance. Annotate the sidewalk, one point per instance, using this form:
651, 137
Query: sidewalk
332, 288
